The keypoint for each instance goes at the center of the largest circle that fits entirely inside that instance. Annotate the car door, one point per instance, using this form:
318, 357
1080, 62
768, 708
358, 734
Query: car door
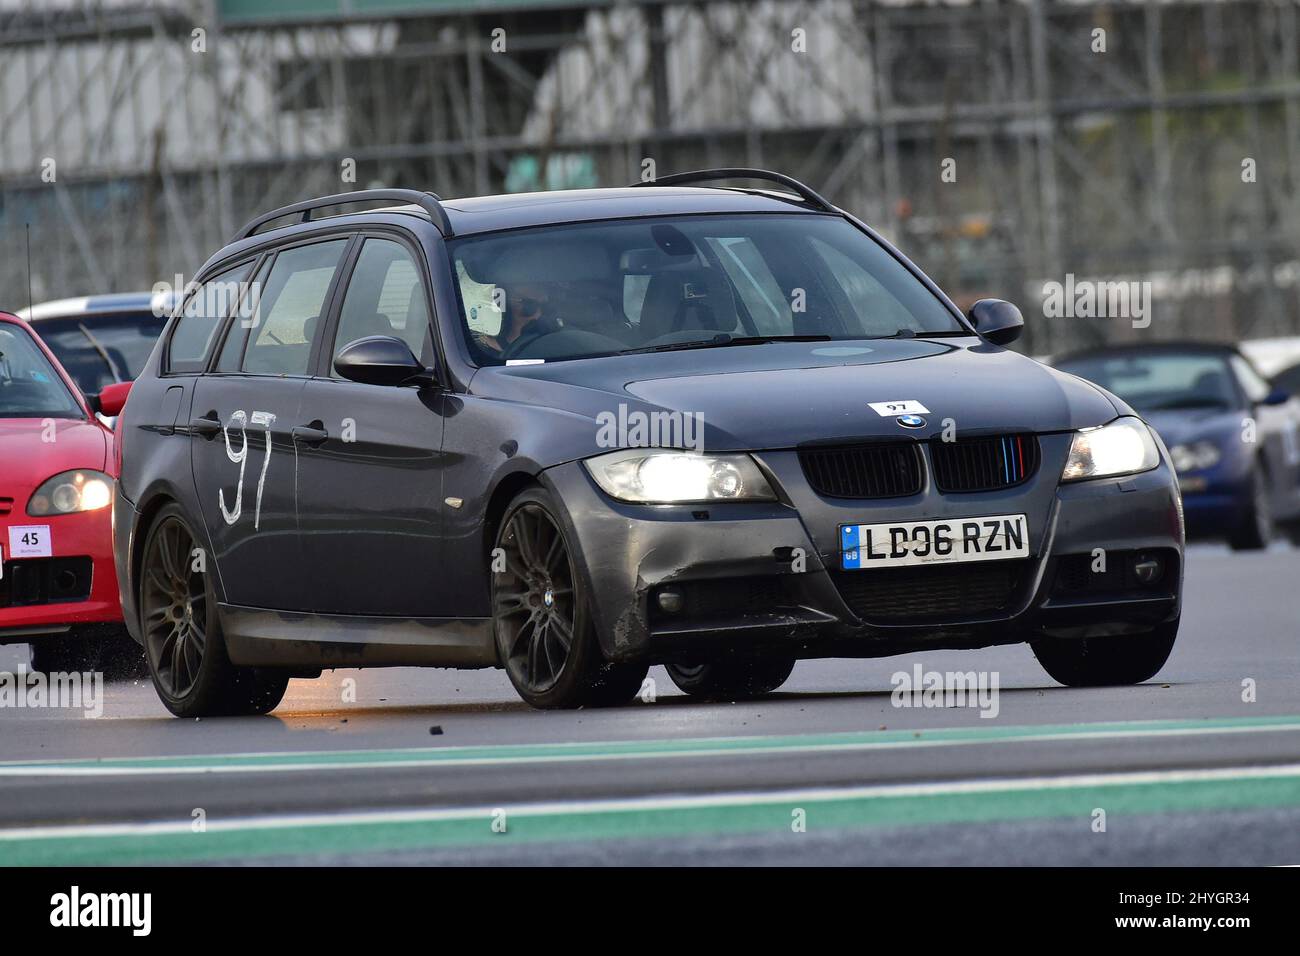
242, 417
370, 456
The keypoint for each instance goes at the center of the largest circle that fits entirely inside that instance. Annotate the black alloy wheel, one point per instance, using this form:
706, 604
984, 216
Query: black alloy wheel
533, 599
183, 641
541, 617
174, 608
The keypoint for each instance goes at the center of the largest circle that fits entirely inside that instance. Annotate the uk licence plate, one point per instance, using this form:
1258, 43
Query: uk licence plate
987, 538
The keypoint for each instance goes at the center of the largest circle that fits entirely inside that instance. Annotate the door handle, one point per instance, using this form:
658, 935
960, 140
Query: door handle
309, 434
206, 427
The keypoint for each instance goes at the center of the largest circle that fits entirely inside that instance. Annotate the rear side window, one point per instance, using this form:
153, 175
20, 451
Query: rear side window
201, 316
289, 309
385, 297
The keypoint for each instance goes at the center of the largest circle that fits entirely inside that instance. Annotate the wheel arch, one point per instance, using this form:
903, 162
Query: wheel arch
505, 491
151, 505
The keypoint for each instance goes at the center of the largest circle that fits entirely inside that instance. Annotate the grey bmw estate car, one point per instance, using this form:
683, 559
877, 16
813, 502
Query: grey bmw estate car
575, 434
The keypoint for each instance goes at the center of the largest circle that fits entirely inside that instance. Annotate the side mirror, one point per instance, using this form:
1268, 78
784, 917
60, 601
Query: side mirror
997, 320
381, 360
1277, 397
111, 399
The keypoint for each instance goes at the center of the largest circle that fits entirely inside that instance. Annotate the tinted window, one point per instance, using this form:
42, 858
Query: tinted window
588, 289
29, 385
385, 297
289, 309
98, 350
201, 317
1155, 381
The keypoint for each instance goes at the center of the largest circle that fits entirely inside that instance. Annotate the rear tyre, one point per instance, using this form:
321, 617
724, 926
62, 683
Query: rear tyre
541, 615
183, 642
1106, 661
1256, 528
732, 678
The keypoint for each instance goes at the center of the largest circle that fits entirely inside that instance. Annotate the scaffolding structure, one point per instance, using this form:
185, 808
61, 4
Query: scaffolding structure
1002, 143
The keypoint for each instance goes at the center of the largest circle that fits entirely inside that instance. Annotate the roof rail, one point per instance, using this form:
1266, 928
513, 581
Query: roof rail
429, 202
739, 172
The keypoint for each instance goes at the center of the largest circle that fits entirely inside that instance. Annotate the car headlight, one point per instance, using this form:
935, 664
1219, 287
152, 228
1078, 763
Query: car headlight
662, 476
1123, 447
72, 491
1195, 457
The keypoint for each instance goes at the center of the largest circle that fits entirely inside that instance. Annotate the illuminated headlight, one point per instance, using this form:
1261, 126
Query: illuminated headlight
70, 492
1195, 457
671, 477
1123, 447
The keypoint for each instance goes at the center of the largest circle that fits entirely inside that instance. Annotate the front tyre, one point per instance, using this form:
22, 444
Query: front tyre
732, 678
1106, 661
541, 615
182, 633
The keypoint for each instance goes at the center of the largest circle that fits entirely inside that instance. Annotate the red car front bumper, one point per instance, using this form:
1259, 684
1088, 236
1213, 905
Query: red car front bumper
75, 585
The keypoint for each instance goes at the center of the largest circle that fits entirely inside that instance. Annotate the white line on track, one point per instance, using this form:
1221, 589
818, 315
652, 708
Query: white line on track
337, 760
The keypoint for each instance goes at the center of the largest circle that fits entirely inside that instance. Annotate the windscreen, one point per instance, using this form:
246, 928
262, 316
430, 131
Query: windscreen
1161, 381
574, 291
29, 385
99, 350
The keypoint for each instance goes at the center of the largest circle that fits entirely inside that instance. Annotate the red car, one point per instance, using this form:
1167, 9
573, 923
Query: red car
58, 588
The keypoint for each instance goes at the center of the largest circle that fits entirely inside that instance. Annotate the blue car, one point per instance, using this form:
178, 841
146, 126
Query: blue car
1231, 436
101, 339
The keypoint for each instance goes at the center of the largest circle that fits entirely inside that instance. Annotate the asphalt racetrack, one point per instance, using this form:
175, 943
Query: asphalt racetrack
433, 766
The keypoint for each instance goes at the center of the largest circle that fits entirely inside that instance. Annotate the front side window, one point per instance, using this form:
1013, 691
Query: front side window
587, 289
201, 316
385, 297
29, 385
289, 309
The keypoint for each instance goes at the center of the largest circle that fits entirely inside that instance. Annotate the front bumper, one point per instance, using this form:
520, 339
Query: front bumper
762, 574
32, 602
1215, 509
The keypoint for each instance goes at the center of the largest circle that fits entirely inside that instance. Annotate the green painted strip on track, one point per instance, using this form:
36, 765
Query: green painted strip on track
827, 810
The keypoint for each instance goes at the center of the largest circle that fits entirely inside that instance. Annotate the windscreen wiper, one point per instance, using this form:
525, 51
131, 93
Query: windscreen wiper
914, 334
724, 339
118, 374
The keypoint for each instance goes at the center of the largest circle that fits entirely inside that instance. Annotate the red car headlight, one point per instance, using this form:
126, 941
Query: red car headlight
72, 491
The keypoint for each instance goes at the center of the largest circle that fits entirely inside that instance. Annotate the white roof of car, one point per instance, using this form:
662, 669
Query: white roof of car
1273, 355
100, 305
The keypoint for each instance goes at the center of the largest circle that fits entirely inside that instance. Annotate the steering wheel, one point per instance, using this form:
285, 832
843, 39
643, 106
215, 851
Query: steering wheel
524, 340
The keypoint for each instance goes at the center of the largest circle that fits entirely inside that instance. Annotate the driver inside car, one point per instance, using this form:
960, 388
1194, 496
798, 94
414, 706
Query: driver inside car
528, 313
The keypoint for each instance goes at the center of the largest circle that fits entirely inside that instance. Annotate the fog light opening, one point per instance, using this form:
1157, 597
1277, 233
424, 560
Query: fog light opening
1148, 568
671, 600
